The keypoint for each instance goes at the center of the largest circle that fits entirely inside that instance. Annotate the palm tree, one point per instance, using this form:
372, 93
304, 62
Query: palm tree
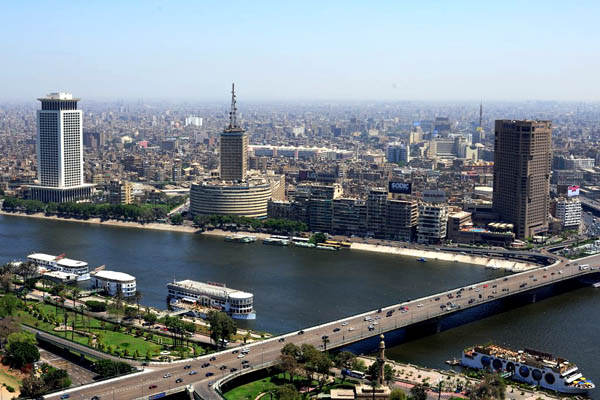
138, 298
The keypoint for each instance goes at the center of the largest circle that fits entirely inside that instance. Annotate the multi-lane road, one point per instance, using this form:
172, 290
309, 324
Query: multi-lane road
158, 378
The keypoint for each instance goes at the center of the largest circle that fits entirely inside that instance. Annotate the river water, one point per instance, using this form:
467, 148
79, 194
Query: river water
299, 287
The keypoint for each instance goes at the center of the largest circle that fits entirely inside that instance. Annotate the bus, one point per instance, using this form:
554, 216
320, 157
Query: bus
353, 374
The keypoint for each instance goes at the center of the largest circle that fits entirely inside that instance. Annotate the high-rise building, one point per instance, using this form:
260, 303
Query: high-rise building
568, 211
433, 220
522, 161
234, 147
119, 192
60, 151
397, 153
402, 218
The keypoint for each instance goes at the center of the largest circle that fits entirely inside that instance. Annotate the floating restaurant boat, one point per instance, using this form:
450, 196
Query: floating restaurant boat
529, 366
71, 270
305, 244
327, 247
422, 259
276, 241
240, 239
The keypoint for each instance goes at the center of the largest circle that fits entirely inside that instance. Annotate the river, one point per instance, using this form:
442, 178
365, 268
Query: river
298, 287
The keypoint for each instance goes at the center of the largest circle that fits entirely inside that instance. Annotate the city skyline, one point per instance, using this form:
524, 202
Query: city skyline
337, 51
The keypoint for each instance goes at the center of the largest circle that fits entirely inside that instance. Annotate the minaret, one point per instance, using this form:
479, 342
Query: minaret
381, 361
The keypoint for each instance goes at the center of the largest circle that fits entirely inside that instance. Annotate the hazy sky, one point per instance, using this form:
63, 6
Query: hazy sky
326, 50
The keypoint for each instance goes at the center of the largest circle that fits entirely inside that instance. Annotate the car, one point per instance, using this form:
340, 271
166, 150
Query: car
404, 310
213, 358
232, 369
187, 366
178, 380
223, 367
145, 364
471, 301
505, 279
301, 333
505, 289
420, 305
193, 372
167, 375
209, 374
437, 299
336, 329
245, 366
245, 362
535, 279
350, 329
235, 352
450, 296
211, 383
485, 286
443, 306
378, 311
371, 327
152, 387
477, 290
95, 398
375, 323
560, 272
522, 285
554, 273
281, 339
205, 365
241, 355
344, 323
545, 276
324, 337
494, 286
65, 396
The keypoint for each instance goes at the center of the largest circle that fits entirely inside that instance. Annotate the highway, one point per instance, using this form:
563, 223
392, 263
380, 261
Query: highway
339, 333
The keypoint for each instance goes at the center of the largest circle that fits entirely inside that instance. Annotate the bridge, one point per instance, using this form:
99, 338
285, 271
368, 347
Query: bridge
350, 331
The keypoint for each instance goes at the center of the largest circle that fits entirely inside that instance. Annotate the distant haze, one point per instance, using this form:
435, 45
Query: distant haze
321, 50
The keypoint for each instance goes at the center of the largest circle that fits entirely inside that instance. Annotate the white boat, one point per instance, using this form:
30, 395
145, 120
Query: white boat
596, 285
529, 366
276, 242
305, 244
61, 264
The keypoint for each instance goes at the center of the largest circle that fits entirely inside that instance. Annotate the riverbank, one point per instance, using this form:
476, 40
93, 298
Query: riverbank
378, 248
488, 262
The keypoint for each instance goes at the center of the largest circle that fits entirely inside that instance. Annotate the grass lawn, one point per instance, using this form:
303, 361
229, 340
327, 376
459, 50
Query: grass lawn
250, 390
253, 389
119, 340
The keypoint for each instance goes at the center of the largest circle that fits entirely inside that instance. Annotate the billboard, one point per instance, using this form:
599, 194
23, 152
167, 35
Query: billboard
400, 187
573, 191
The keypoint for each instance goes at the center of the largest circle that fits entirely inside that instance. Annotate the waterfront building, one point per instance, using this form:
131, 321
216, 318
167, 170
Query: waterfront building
314, 205
522, 161
47, 262
216, 197
119, 192
60, 151
433, 219
461, 230
234, 147
187, 293
113, 282
349, 217
568, 212
402, 219
376, 211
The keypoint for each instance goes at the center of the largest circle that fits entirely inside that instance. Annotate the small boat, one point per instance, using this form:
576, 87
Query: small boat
240, 239
422, 259
454, 361
276, 242
596, 285
305, 244
325, 247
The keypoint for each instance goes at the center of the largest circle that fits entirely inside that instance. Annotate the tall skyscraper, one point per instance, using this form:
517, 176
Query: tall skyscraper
60, 151
234, 147
522, 164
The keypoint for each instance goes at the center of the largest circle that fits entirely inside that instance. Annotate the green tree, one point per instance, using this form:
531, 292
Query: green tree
492, 387
150, 318
318, 237
398, 394
288, 364
418, 392
176, 219
55, 379
19, 354
344, 359
8, 305
287, 392
222, 327
32, 387
108, 368
388, 373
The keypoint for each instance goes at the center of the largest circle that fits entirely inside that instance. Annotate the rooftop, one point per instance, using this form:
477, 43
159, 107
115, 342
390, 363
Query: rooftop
114, 275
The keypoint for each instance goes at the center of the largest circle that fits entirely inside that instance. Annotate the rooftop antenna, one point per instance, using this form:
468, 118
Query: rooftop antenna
480, 114
232, 113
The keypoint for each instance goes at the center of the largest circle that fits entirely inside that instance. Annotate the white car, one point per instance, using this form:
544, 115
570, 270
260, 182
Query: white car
375, 322
242, 355
167, 375
419, 305
344, 323
368, 318
351, 329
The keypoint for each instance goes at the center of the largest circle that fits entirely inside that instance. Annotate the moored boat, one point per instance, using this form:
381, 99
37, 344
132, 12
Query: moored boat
529, 366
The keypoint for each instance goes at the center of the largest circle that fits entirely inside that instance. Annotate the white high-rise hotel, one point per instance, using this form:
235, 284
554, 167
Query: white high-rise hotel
60, 151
